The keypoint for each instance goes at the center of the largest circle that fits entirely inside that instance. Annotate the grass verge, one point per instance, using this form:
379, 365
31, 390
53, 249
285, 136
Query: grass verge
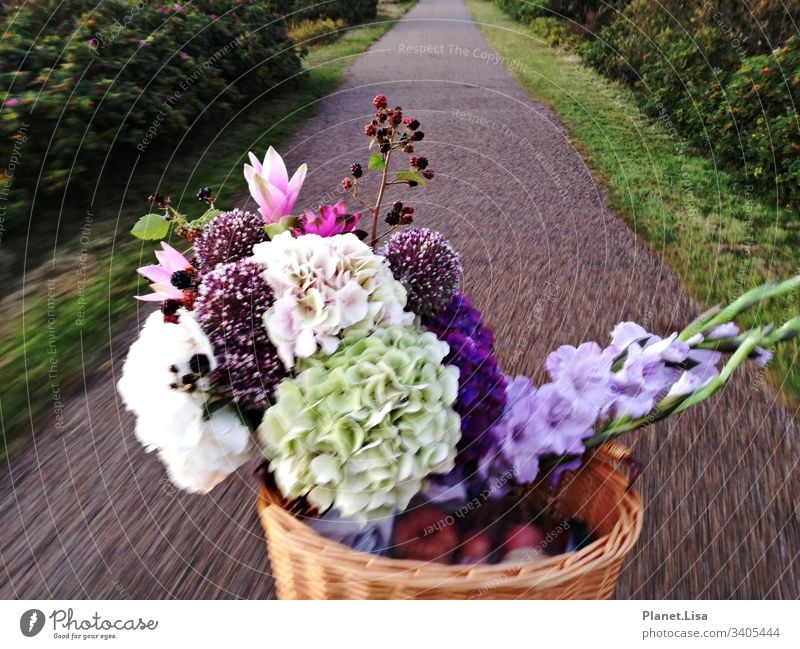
709, 228
56, 331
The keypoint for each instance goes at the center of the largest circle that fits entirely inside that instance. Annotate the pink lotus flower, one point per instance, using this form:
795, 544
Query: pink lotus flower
330, 220
270, 186
170, 261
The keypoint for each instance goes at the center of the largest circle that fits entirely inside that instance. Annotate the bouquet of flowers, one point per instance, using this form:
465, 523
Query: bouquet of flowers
341, 340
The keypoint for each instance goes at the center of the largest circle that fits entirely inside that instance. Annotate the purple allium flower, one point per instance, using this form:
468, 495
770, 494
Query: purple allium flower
230, 308
229, 237
329, 220
425, 263
460, 315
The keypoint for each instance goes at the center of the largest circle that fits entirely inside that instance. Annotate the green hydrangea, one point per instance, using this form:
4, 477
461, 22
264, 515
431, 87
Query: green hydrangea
362, 428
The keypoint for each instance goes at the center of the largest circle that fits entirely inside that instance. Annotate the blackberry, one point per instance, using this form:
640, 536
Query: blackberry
182, 279
417, 136
204, 195
356, 170
420, 162
200, 364
392, 218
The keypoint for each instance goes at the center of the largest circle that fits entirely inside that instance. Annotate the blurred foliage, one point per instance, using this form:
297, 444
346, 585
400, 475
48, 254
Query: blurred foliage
96, 80
351, 11
316, 30
726, 74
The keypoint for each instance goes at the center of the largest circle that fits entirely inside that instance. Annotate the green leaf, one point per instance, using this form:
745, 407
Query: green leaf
212, 404
151, 227
376, 161
204, 220
284, 223
413, 176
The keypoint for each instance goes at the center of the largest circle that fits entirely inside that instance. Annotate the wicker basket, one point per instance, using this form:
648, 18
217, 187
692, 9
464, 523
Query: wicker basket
308, 566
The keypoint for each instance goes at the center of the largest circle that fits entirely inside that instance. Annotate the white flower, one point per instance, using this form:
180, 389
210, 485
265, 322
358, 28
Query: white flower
198, 452
325, 287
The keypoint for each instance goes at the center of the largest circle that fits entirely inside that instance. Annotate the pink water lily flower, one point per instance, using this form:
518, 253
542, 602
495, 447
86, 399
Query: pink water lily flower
270, 186
170, 261
329, 220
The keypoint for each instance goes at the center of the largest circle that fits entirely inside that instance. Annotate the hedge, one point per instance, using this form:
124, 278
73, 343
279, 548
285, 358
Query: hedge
727, 74
93, 82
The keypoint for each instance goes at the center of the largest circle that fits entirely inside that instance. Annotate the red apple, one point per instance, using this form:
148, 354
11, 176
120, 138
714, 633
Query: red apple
476, 548
425, 534
523, 537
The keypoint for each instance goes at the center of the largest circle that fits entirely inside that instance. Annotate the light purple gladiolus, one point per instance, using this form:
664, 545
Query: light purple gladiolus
625, 333
169, 261
329, 220
270, 186
583, 373
763, 356
539, 422
727, 330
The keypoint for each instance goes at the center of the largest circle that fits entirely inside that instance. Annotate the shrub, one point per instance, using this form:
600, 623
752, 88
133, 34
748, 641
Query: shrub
727, 75
109, 78
317, 30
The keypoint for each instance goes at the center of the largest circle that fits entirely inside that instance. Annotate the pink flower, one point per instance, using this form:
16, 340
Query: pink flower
213, 16
177, 7
183, 55
270, 186
91, 42
170, 261
329, 221
11, 102
143, 42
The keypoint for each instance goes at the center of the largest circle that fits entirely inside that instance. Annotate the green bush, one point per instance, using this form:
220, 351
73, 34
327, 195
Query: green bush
100, 81
725, 74
351, 11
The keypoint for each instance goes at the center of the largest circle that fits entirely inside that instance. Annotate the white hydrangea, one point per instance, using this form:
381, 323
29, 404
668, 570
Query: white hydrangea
199, 453
325, 287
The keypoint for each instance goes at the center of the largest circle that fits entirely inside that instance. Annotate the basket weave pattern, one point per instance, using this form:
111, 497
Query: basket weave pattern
306, 565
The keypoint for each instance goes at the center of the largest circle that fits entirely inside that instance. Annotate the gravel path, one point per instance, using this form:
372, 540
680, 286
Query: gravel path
84, 512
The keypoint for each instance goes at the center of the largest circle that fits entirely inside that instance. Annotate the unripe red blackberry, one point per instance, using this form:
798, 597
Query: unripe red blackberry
397, 206
427, 174
370, 130
408, 148
347, 183
406, 219
380, 101
411, 123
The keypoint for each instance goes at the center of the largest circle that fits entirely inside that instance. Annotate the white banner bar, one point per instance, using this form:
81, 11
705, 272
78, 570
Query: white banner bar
394, 625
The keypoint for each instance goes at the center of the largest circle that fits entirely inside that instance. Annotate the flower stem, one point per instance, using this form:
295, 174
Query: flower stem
377, 209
